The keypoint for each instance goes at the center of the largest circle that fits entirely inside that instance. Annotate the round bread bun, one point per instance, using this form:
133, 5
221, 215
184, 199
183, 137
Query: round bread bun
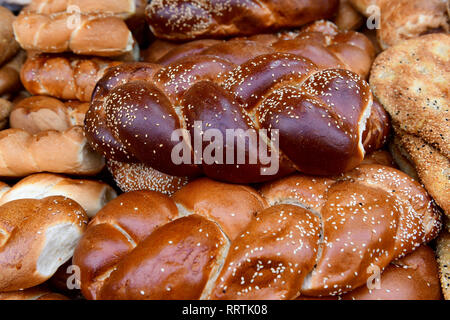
36, 237
411, 82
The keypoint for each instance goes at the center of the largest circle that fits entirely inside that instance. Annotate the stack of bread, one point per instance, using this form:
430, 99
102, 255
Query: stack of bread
348, 99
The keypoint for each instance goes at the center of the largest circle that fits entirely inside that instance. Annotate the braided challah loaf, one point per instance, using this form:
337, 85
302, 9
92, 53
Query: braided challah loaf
325, 117
301, 235
187, 19
65, 77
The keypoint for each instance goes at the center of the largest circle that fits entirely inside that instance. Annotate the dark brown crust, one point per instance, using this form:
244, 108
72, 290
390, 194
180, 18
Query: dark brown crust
187, 19
371, 215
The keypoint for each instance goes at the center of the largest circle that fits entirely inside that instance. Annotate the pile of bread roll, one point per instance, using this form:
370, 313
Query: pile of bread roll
94, 206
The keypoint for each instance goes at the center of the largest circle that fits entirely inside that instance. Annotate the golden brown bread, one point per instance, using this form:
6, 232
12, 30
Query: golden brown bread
411, 82
92, 195
347, 17
432, 168
443, 254
22, 153
8, 45
406, 19
95, 34
65, 77
39, 113
214, 82
36, 237
286, 242
10, 74
5, 109
187, 19
35, 293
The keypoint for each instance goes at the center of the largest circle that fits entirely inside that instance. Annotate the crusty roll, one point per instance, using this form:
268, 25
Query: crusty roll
10, 74
92, 195
188, 19
8, 45
302, 235
406, 19
40, 113
22, 153
292, 83
35, 293
93, 34
65, 77
5, 110
443, 254
37, 236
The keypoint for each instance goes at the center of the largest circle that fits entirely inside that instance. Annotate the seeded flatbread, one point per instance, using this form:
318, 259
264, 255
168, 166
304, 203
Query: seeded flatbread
433, 169
411, 80
443, 254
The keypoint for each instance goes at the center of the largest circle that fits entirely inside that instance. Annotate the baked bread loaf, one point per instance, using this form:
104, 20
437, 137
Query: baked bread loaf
406, 19
10, 74
22, 153
363, 5
39, 113
66, 77
443, 254
37, 236
5, 110
35, 293
187, 19
92, 195
94, 34
8, 45
241, 84
226, 241
348, 18
413, 277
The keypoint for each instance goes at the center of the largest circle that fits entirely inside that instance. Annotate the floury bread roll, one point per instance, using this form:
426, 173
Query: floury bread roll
37, 236
188, 19
22, 153
39, 113
292, 82
92, 195
66, 77
304, 235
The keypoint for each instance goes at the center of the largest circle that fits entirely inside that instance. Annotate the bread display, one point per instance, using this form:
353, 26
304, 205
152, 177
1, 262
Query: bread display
224, 150
142, 253
41, 113
187, 19
92, 195
68, 152
38, 235
119, 126
64, 77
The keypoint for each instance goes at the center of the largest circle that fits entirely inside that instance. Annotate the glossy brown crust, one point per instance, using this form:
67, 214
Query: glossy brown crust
413, 277
288, 243
25, 225
8, 45
187, 19
65, 77
10, 74
40, 113
143, 104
